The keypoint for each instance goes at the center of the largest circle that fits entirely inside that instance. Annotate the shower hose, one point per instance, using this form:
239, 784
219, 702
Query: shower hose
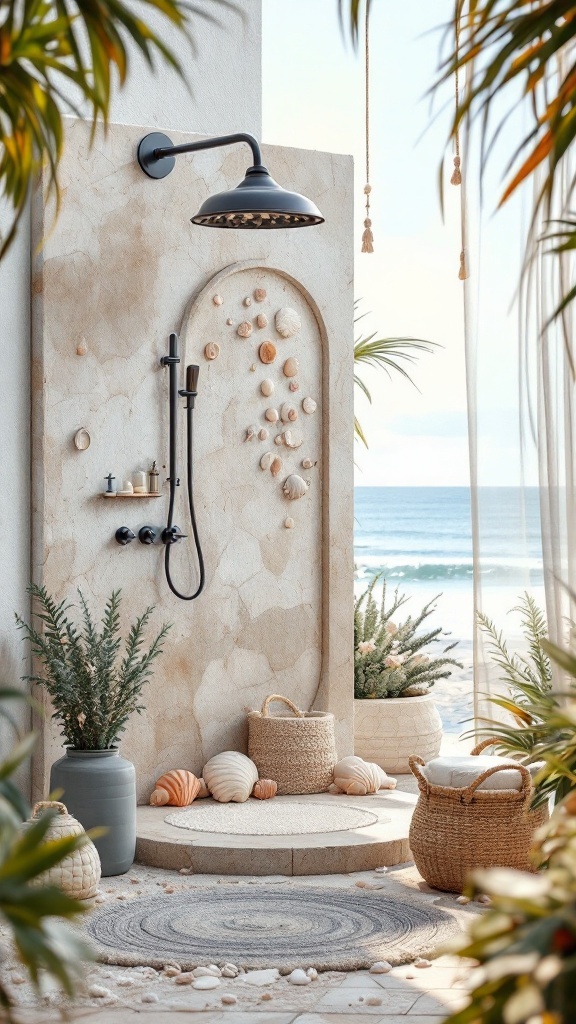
190, 490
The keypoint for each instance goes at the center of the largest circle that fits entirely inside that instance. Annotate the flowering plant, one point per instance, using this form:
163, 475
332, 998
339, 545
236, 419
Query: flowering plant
389, 657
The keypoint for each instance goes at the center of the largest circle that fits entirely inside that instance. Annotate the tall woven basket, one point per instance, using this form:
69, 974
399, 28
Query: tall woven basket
455, 830
297, 751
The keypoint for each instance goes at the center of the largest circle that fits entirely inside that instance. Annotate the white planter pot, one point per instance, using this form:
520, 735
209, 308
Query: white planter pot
389, 731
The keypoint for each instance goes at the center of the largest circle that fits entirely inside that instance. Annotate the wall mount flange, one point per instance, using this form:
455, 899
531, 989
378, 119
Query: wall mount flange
153, 166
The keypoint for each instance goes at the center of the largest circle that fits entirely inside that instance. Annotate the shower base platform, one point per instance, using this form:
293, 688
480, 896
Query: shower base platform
383, 842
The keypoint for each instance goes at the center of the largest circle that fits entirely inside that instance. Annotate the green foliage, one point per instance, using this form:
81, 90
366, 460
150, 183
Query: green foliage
389, 659
29, 908
53, 49
92, 693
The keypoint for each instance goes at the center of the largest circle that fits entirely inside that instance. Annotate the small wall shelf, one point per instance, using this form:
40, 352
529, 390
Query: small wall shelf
109, 497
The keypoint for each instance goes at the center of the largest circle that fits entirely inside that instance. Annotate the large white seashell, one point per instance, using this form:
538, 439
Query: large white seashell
287, 322
288, 413
244, 330
309, 405
356, 777
295, 487
230, 776
267, 387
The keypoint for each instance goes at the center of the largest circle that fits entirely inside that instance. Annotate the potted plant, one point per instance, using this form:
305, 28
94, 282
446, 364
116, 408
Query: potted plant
394, 714
93, 694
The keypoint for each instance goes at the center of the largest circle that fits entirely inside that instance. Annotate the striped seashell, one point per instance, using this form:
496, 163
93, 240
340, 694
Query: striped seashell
230, 776
265, 789
356, 777
287, 322
177, 788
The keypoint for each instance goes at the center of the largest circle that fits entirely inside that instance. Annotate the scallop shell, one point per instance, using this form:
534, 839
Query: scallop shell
267, 352
294, 385
265, 789
263, 434
244, 330
287, 322
276, 466
177, 788
295, 487
260, 294
217, 300
356, 777
290, 441
308, 463
288, 413
262, 320
251, 433
290, 367
289, 523
271, 415
230, 776
212, 350
247, 301
267, 460
203, 792
267, 387
309, 405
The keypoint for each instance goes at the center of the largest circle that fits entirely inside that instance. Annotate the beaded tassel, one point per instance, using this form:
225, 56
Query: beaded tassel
367, 236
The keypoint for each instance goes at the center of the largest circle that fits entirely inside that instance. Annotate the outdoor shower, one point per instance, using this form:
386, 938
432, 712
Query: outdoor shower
257, 202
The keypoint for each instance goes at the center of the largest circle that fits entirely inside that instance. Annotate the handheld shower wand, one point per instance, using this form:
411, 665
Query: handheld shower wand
172, 533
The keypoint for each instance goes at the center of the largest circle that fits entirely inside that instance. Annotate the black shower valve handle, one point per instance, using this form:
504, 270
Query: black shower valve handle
172, 534
147, 534
124, 535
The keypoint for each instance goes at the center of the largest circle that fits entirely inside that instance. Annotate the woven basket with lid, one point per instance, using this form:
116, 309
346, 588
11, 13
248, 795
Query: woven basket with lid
78, 874
297, 751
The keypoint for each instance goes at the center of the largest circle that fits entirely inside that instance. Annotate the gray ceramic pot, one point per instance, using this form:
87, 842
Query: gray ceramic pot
100, 789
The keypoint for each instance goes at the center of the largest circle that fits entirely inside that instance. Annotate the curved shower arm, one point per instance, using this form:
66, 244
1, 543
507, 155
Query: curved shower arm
212, 143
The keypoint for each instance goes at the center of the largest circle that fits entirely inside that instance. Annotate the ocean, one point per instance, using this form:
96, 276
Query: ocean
420, 540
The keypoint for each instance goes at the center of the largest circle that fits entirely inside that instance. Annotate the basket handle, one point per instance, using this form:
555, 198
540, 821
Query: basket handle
525, 792
43, 804
277, 696
490, 742
423, 785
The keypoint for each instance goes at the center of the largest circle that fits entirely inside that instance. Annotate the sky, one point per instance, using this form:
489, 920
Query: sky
313, 92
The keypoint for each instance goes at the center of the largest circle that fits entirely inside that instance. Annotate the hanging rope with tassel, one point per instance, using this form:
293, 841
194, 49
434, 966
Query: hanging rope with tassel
456, 178
367, 236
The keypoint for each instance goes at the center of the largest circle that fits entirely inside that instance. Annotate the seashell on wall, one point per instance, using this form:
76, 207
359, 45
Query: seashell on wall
263, 434
262, 320
289, 523
265, 789
251, 433
288, 413
308, 463
276, 466
212, 350
290, 368
230, 322
217, 300
260, 294
271, 415
247, 301
294, 385
177, 788
295, 487
309, 406
290, 440
267, 352
267, 460
356, 777
267, 387
244, 330
287, 322
279, 439
230, 776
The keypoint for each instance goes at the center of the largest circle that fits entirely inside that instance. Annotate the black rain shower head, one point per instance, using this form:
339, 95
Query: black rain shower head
257, 202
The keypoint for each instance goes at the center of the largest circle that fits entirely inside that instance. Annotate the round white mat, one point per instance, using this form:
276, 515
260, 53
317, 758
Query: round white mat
284, 817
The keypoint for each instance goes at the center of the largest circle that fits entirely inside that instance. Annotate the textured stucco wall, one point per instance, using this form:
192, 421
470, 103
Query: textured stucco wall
224, 73
115, 277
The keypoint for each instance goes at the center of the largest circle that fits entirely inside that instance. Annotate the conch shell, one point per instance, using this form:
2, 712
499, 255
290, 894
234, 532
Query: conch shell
177, 788
230, 776
295, 487
287, 322
356, 777
265, 789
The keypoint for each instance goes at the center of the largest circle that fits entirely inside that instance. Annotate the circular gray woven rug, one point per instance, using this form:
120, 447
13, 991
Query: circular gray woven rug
330, 929
271, 818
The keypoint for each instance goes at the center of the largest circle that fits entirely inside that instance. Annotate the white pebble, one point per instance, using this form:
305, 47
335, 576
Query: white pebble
146, 972
124, 981
463, 900
171, 971
150, 997
100, 899
206, 972
373, 1001
186, 978
169, 888
229, 972
229, 1000
381, 871
299, 977
380, 967
267, 977
312, 973
410, 976
17, 979
360, 884
99, 992
185, 871
206, 983
422, 962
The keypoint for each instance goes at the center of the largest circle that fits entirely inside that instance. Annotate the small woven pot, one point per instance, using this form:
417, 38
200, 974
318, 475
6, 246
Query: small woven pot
79, 873
455, 830
298, 752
